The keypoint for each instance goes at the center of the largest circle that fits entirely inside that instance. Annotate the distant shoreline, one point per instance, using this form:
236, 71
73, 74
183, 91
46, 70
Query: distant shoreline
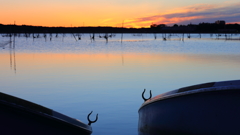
228, 28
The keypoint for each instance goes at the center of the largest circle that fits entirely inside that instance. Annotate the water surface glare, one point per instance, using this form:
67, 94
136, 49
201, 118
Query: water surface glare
108, 77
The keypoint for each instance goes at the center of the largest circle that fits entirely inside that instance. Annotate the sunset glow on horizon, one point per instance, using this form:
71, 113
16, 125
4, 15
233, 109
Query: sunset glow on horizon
135, 13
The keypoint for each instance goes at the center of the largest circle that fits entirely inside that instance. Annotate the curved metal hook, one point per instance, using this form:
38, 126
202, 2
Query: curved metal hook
144, 97
89, 121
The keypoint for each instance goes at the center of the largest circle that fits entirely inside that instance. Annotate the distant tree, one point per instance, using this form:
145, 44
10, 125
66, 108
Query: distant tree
175, 25
162, 25
153, 25
182, 25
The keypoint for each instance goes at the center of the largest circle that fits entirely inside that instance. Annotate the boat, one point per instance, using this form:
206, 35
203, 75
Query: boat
205, 109
18, 116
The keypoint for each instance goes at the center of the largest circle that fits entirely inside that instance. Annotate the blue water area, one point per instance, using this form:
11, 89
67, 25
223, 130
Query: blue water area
75, 77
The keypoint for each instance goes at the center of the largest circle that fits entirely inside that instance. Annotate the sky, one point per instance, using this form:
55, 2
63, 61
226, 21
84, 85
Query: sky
117, 13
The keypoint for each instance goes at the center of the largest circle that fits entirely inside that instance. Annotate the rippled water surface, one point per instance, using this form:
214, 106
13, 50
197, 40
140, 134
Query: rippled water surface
75, 77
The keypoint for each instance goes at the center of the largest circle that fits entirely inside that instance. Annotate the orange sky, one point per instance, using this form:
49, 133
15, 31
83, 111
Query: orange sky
134, 13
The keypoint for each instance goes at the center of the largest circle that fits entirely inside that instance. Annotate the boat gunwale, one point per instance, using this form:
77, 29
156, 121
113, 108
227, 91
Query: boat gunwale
201, 90
43, 113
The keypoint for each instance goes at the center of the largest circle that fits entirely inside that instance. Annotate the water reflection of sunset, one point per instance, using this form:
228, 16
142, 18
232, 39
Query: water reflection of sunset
44, 60
116, 70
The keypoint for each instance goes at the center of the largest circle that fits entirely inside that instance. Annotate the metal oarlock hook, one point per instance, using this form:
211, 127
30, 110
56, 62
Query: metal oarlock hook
144, 97
89, 121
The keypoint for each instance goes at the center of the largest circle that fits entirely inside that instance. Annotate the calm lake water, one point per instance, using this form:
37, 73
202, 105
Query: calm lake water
75, 77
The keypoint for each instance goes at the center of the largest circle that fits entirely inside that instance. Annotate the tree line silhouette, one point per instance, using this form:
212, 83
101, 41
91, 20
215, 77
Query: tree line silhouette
154, 28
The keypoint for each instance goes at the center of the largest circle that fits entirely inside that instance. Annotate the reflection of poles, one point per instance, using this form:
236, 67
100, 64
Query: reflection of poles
74, 37
122, 55
10, 51
50, 36
164, 37
92, 38
63, 36
183, 37
122, 31
14, 59
122, 60
106, 37
45, 36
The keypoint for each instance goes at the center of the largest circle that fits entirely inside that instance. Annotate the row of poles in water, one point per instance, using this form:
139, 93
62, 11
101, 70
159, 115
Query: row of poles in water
92, 37
51, 36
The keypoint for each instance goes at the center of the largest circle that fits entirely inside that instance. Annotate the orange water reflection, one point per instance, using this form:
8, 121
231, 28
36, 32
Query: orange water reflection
43, 60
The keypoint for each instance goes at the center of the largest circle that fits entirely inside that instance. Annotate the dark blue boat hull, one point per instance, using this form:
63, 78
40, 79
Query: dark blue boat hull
18, 116
204, 113
15, 122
